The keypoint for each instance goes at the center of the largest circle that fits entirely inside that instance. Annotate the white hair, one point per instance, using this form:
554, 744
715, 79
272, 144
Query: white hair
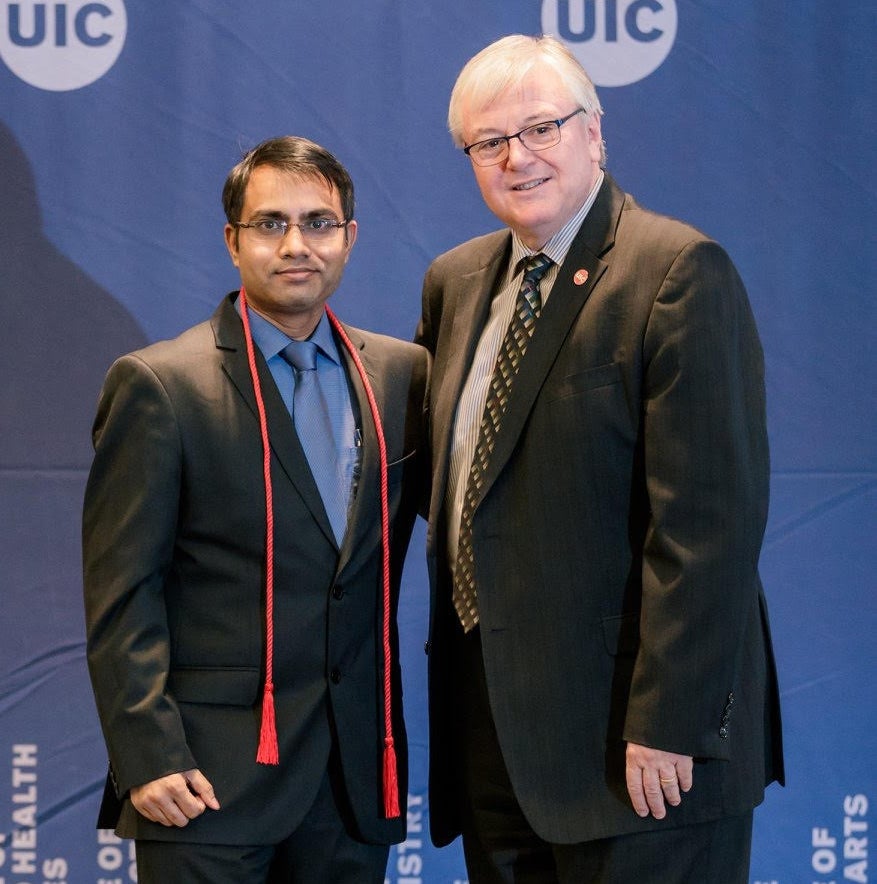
505, 63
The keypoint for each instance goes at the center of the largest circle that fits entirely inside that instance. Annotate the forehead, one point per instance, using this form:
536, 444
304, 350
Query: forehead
538, 95
274, 189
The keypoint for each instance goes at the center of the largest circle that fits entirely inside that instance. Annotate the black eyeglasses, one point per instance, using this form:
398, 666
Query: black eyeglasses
539, 136
313, 230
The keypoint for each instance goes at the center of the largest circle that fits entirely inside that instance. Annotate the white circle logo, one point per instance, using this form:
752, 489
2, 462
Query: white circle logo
61, 46
617, 41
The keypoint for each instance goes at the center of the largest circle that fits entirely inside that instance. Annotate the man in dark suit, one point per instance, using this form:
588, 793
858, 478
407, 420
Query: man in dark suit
240, 592
603, 696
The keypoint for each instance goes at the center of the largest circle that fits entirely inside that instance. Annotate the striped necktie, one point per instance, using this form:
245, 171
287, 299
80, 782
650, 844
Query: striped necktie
528, 306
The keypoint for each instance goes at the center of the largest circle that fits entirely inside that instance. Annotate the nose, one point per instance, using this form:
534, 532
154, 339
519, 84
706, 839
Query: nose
294, 242
518, 152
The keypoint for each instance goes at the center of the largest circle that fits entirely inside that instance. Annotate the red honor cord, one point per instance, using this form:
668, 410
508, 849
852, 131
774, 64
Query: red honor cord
268, 750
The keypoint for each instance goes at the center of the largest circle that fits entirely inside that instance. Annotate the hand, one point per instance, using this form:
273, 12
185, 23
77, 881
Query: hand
175, 799
654, 776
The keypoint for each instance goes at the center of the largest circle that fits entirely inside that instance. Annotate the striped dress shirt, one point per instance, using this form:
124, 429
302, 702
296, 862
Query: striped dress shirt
467, 421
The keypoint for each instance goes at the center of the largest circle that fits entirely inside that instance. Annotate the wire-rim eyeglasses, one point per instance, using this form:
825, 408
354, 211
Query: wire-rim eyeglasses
538, 136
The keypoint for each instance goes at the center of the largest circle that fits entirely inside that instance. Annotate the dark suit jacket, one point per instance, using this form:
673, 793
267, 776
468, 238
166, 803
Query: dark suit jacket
618, 533
174, 548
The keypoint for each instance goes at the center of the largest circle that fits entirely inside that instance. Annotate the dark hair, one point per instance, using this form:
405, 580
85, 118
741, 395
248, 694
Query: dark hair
292, 154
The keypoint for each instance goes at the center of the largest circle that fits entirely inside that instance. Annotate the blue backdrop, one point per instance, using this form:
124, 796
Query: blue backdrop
118, 122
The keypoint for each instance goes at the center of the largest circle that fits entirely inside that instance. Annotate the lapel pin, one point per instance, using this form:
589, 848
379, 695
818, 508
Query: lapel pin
581, 277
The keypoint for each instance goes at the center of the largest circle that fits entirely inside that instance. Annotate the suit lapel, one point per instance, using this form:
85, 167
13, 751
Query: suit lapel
363, 522
229, 335
470, 296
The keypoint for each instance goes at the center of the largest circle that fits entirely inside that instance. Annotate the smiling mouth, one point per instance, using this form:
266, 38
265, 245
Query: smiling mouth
295, 271
529, 185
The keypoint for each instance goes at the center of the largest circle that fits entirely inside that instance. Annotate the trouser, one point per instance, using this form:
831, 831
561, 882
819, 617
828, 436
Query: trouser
500, 847
319, 851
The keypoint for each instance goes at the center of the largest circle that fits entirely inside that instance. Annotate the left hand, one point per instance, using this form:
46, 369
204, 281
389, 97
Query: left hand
654, 776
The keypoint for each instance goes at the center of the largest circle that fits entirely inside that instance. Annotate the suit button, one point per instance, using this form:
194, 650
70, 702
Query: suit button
337, 593
426, 647
335, 675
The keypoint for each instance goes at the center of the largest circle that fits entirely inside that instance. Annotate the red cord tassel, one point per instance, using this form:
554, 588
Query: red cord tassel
268, 751
391, 781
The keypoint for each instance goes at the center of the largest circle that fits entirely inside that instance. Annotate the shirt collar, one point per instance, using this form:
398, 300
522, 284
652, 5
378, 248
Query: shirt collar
271, 340
324, 339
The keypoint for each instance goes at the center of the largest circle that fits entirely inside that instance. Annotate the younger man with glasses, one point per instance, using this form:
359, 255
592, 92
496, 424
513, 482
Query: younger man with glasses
240, 591
603, 701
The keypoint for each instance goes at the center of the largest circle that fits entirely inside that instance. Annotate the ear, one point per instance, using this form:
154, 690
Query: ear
231, 243
595, 137
350, 233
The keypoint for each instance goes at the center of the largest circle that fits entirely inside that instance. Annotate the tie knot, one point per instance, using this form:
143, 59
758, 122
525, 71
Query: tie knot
301, 355
535, 267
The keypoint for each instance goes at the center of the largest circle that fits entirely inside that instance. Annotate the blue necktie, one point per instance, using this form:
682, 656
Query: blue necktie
314, 427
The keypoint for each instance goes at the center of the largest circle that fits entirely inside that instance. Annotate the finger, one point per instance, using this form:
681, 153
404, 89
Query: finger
185, 804
147, 811
654, 793
170, 814
670, 786
146, 802
161, 810
201, 786
634, 777
179, 798
685, 772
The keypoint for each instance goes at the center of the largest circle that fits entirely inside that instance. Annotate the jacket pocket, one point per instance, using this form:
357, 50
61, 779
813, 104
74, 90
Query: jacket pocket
590, 379
400, 462
226, 686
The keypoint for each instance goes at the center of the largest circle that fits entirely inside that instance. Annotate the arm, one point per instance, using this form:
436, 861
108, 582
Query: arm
706, 479
129, 525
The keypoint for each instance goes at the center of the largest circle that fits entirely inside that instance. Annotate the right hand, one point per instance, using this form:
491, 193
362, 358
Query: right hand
175, 799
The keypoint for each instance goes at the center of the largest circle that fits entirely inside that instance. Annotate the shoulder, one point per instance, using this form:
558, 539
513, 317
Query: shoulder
650, 225
664, 238
165, 366
472, 255
682, 273
388, 348
391, 360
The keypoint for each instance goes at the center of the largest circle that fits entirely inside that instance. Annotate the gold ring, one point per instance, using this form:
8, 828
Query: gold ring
671, 780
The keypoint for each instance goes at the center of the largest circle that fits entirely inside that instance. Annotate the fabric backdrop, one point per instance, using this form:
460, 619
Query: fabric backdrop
119, 120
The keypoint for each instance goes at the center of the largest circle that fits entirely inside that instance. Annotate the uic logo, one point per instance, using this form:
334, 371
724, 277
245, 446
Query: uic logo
61, 46
617, 41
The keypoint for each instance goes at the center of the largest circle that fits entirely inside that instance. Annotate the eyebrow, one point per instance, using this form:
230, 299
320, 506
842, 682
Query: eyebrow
310, 215
485, 133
